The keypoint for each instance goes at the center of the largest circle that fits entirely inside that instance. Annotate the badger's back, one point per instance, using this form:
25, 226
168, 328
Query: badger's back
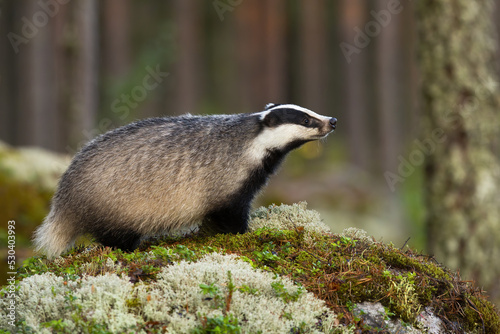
159, 174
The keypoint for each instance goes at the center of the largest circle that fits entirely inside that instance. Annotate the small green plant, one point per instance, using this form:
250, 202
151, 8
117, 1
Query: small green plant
230, 288
210, 290
162, 252
185, 253
343, 242
213, 292
301, 328
246, 289
57, 325
404, 297
386, 274
221, 324
112, 256
351, 307
347, 241
388, 313
280, 290
267, 254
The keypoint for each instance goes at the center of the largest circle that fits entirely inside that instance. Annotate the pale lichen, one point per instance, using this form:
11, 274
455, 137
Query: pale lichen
42, 299
288, 217
177, 299
357, 234
257, 300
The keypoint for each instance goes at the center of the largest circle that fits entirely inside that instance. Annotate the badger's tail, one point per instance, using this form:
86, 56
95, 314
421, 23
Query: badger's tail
55, 235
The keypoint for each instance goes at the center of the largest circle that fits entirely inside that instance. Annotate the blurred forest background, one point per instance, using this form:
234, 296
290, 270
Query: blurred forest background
70, 70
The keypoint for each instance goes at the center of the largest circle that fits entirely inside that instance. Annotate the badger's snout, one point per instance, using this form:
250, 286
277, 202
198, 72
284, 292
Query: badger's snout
333, 122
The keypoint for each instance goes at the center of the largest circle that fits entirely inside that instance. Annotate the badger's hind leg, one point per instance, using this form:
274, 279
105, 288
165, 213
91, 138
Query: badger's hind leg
233, 219
125, 240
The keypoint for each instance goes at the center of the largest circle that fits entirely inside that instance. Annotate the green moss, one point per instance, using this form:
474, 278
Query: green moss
481, 314
341, 270
28, 178
24, 203
133, 303
409, 260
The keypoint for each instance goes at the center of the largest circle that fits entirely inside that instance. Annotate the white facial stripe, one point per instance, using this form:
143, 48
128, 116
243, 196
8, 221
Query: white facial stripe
277, 138
311, 113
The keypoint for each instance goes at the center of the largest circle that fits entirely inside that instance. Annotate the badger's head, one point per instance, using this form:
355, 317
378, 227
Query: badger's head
287, 126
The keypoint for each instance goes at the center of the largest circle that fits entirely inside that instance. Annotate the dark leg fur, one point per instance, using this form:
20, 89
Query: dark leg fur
127, 241
226, 220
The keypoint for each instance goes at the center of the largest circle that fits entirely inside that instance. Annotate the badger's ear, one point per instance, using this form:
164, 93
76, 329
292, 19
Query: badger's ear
269, 106
271, 120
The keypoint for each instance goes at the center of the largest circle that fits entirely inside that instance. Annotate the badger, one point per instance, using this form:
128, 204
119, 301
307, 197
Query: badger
160, 175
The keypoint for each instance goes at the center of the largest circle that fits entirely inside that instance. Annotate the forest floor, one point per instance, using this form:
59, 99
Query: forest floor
344, 279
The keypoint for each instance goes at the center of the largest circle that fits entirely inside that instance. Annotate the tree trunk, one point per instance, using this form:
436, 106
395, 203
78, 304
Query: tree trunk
410, 74
84, 86
43, 88
353, 15
250, 37
24, 119
313, 57
116, 31
188, 67
496, 19
461, 107
389, 88
275, 51
8, 77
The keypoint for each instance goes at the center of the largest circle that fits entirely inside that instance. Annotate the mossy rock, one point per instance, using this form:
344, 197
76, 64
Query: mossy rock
285, 276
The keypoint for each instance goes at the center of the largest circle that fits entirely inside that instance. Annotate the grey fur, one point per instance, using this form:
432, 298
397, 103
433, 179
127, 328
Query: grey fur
160, 175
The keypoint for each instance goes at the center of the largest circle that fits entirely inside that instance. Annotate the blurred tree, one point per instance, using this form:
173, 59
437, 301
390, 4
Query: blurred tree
275, 51
42, 90
7, 73
84, 84
353, 16
63, 54
313, 55
116, 34
461, 103
389, 84
29, 72
409, 77
188, 67
251, 27
496, 19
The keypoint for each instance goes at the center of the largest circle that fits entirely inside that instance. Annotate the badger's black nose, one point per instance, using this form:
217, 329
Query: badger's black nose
333, 122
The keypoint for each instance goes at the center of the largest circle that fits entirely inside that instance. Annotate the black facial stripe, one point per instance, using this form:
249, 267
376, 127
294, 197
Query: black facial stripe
290, 116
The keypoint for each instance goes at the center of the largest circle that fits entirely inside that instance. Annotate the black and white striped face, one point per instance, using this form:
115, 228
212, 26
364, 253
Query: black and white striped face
289, 126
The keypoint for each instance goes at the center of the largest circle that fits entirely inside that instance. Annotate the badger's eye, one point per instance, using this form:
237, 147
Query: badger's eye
305, 121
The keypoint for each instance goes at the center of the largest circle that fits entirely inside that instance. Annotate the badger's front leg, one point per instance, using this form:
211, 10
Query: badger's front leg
126, 240
232, 219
